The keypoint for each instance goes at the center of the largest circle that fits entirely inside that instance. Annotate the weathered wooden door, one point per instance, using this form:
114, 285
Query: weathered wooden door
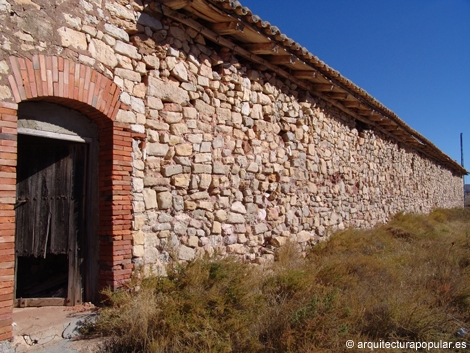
49, 216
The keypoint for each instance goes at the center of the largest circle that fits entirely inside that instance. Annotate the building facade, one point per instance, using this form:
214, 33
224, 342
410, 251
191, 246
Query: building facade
139, 133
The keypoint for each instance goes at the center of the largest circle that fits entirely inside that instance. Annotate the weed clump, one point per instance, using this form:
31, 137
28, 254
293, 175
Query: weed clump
408, 280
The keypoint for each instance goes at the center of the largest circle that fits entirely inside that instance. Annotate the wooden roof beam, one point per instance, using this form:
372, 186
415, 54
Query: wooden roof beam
305, 74
175, 4
283, 60
351, 104
323, 87
337, 95
227, 28
262, 48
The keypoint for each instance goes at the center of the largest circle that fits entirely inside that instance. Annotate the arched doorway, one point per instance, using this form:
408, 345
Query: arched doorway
56, 221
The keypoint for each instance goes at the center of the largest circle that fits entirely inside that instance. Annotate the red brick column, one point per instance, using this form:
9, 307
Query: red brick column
8, 134
59, 80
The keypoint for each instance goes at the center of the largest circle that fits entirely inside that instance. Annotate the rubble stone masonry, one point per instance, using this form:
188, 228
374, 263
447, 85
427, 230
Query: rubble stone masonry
201, 152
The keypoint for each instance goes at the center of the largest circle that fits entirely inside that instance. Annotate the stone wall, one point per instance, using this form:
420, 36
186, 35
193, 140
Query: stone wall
226, 157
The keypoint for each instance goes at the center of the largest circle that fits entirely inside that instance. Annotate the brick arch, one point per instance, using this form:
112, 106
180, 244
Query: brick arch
59, 80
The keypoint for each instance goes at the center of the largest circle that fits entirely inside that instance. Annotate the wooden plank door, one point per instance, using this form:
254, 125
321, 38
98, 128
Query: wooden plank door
50, 201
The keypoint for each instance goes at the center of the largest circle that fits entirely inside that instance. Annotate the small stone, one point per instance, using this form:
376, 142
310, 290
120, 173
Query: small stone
169, 170
150, 198
164, 200
193, 241
157, 149
220, 215
180, 180
238, 207
235, 218
186, 253
184, 149
260, 228
303, 236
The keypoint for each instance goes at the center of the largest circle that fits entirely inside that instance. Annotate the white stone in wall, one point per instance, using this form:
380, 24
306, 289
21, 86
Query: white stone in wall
167, 92
126, 116
116, 32
150, 198
5, 93
128, 74
157, 149
119, 11
72, 38
102, 52
127, 49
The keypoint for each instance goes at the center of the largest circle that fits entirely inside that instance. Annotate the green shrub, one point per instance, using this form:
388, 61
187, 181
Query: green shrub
408, 280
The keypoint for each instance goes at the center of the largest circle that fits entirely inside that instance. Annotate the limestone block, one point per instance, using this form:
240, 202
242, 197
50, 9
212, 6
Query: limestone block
220, 215
216, 227
137, 184
138, 251
186, 253
178, 129
204, 108
152, 181
193, 241
180, 228
190, 113
154, 103
120, 11
116, 32
223, 114
180, 180
203, 81
202, 157
128, 74
139, 238
138, 105
139, 221
190, 205
152, 61
126, 116
194, 138
205, 147
184, 149
252, 167
169, 170
127, 50
5, 93
157, 149
260, 228
164, 200
278, 241
234, 218
303, 236
202, 169
167, 92
171, 117
180, 72
238, 207
205, 181
72, 38
206, 205
150, 198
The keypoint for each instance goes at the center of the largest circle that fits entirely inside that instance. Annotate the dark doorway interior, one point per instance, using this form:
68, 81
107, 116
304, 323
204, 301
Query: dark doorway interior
50, 222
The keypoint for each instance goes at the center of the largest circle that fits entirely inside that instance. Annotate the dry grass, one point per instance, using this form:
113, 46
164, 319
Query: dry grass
408, 280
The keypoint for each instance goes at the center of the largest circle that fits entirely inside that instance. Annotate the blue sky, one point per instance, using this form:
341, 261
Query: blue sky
411, 55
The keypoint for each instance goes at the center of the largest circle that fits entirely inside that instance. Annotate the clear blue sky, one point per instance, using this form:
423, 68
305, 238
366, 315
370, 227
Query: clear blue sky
411, 55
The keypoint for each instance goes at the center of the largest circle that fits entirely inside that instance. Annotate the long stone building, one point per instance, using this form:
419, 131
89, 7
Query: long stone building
141, 132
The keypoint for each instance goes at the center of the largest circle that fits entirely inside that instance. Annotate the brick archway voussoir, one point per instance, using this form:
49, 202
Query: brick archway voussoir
53, 76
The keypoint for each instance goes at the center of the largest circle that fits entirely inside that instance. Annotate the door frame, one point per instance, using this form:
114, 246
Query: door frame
77, 246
